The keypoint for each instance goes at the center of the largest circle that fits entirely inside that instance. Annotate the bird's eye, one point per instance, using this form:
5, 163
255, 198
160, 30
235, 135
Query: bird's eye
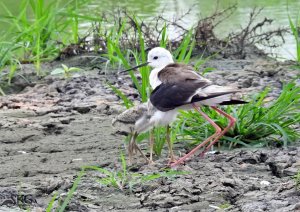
155, 58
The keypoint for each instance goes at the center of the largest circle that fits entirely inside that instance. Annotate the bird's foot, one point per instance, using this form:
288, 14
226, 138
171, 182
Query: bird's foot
180, 160
172, 159
174, 163
202, 154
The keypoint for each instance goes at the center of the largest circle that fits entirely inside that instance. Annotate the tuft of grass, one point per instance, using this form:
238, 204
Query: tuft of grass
160, 139
184, 52
258, 122
122, 179
164, 37
41, 34
294, 27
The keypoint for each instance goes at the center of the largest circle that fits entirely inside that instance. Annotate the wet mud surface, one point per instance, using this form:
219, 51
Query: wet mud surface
55, 126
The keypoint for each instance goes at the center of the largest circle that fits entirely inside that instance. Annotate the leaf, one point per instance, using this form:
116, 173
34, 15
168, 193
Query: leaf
207, 70
57, 71
72, 190
66, 68
75, 69
126, 101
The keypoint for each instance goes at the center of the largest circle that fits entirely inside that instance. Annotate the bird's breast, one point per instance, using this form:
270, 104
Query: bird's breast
153, 78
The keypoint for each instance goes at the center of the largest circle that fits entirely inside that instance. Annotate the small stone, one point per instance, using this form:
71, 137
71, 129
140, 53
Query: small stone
265, 183
293, 153
291, 171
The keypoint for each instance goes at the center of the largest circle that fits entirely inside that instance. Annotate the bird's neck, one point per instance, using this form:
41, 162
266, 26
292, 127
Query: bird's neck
153, 78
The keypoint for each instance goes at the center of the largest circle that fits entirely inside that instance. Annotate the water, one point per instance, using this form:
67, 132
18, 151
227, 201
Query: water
274, 9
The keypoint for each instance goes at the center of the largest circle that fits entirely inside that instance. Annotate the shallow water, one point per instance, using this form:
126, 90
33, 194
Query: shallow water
274, 9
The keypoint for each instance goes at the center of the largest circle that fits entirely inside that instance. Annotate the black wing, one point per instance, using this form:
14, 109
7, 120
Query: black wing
167, 96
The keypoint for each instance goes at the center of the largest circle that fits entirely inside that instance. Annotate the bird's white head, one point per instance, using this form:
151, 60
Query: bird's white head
159, 57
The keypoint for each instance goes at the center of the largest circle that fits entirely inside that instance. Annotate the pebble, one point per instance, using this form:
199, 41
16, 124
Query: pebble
265, 183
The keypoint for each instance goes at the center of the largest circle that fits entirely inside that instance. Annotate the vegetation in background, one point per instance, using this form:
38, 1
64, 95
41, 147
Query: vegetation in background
295, 26
42, 35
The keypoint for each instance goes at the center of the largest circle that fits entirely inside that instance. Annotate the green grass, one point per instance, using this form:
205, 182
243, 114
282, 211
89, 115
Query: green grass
66, 201
41, 35
121, 179
297, 180
184, 52
294, 27
117, 55
258, 123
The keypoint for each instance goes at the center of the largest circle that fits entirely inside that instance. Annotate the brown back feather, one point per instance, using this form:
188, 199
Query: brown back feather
175, 73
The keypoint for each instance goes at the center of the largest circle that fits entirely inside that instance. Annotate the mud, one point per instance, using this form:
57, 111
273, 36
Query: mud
54, 126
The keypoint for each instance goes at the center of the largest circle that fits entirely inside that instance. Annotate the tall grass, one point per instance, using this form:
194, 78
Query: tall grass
259, 123
41, 35
295, 26
184, 52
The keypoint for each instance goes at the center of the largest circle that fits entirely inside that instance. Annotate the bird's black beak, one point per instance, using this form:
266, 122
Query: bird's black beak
136, 67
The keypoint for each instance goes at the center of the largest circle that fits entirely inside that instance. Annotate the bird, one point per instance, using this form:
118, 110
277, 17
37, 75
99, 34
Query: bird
136, 120
178, 86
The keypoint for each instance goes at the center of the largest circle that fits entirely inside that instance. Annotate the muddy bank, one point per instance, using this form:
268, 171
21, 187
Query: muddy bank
56, 125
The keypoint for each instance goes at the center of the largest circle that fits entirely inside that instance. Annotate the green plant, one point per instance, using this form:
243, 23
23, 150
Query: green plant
116, 55
160, 139
2, 92
225, 206
65, 70
127, 102
40, 36
294, 26
258, 122
184, 52
164, 37
62, 207
297, 180
51, 203
122, 179
119, 179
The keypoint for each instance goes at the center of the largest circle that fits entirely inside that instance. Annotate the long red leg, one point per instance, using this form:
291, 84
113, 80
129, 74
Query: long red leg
232, 121
218, 131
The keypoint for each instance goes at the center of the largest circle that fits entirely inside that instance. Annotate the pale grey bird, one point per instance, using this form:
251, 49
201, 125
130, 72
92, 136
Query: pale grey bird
142, 118
134, 121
